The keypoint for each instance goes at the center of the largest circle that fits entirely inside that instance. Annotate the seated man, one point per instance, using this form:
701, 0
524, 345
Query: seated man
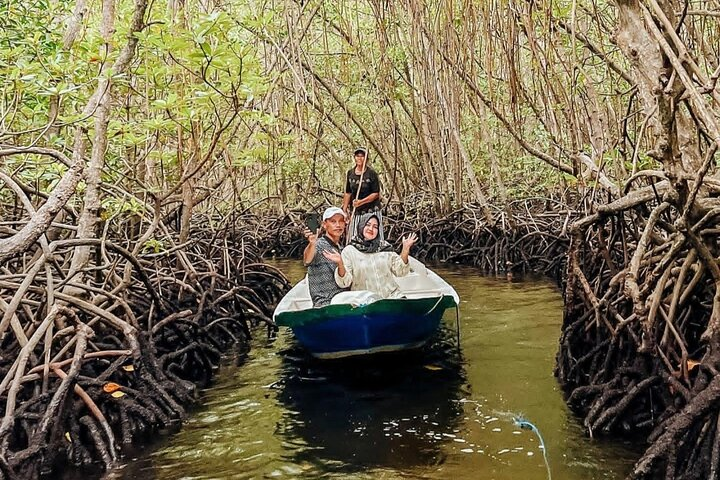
321, 270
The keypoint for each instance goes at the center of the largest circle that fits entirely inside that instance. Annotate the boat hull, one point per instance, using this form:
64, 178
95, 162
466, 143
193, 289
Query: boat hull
339, 331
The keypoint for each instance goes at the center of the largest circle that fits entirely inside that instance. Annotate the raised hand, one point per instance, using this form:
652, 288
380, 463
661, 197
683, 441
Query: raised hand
408, 242
309, 252
333, 255
310, 236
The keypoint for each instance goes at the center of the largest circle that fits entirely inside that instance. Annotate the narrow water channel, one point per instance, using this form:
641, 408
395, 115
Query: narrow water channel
434, 414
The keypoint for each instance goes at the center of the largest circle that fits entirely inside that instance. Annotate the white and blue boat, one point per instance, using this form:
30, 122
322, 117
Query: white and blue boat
357, 323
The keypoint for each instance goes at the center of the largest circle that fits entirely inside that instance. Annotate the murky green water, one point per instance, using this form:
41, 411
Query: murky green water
431, 415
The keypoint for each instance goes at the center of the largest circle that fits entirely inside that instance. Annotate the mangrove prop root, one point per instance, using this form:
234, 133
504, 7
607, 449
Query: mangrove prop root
114, 352
527, 236
640, 345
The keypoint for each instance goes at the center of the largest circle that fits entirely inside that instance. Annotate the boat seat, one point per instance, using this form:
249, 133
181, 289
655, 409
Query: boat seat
355, 297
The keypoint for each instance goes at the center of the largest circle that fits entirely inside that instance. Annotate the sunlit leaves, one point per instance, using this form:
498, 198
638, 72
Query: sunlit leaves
37, 70
171, 101
121, 206
150, 246
158, 124
251, 156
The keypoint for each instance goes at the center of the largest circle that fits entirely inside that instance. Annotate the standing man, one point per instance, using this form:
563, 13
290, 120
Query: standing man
362, 191
321, 270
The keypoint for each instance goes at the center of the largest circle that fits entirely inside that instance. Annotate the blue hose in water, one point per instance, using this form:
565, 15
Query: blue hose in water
525, 424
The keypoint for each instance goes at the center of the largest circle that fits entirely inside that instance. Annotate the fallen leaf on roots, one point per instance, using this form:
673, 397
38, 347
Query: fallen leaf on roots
128, 368
692, 364
110, 387
118, 394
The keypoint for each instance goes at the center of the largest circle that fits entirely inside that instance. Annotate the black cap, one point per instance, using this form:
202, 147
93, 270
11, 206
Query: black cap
362, 150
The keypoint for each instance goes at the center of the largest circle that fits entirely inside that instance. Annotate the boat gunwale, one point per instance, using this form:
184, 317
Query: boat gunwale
386, 306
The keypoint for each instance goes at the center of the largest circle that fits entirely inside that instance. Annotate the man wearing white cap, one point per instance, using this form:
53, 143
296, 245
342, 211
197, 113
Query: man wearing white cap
321, 270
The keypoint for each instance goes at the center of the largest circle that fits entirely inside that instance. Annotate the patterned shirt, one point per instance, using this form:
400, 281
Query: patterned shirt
321, 274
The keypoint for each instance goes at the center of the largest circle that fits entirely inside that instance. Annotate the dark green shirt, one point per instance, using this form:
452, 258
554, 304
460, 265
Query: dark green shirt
370, 184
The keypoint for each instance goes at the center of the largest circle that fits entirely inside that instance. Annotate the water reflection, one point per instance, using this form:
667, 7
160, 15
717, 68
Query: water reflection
395, 411
429, 415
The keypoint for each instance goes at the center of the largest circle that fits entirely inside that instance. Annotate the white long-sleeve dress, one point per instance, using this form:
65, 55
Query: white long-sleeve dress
372, 271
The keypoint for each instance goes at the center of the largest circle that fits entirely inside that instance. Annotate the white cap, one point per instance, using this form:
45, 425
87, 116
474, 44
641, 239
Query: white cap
330, 211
